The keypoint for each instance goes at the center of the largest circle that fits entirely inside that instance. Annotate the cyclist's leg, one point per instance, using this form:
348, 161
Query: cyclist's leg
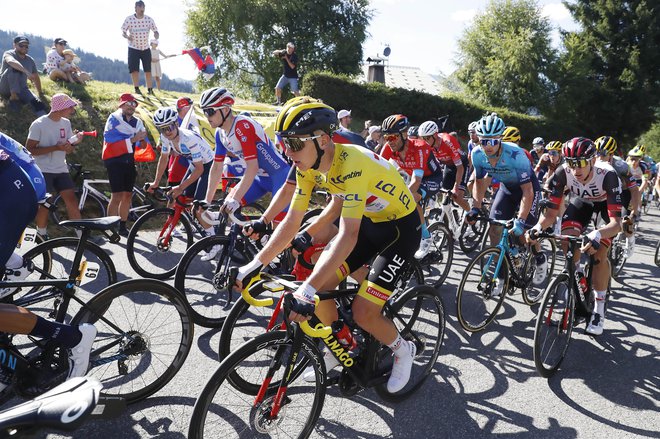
576, 218
505, 206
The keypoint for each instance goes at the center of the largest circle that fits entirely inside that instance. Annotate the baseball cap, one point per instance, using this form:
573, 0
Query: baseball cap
343, 113
373, 129
127, 97
61, 101
60, 41
183, 102
21, 39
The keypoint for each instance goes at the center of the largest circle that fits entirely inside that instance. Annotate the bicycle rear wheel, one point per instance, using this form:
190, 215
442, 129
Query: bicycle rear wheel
221, 411
554, 325
419, 316
144, 336
476, 304
53, 259
94, 207
153, 250
471, 235
206, 283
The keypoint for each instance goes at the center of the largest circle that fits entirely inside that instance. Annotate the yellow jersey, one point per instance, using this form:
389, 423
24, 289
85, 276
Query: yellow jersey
369, 185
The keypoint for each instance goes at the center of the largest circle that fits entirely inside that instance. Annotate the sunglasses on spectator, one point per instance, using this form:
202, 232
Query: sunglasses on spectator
23, 46
131, 103
167, 129
489, 142
296, 144
577, 163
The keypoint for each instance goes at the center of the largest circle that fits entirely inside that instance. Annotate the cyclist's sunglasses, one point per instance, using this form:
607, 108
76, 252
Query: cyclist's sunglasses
391, 137
602, 152
167, 129
553, 153
208, 112
577, 163
489, 142
296, 144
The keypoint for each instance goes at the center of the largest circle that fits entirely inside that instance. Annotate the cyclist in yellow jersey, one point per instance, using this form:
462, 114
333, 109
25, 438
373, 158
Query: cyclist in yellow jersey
377, 217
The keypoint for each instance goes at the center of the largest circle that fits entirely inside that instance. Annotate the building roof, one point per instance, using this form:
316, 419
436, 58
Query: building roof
410, 78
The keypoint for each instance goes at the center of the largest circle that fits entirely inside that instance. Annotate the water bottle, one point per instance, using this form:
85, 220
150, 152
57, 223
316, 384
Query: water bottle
343, 335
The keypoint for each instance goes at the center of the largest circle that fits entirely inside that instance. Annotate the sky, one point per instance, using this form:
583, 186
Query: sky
420, 33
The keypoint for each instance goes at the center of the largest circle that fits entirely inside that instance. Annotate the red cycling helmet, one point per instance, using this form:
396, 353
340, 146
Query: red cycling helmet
579, 148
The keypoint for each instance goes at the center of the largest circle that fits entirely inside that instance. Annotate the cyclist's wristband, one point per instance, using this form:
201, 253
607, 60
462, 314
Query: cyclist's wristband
305, 292
594, 236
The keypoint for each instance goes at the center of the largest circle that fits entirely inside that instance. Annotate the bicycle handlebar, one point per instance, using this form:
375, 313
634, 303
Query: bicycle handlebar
214, 221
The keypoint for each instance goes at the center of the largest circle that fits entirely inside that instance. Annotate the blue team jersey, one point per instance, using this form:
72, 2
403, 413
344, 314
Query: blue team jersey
25, 160
512, 169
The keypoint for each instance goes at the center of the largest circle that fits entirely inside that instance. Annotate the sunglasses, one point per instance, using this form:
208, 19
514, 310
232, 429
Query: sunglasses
602, 153
391, 137
553, 153
296, 144
167, 129
577, 163
23, 46
131, 103
208, 112
489, 142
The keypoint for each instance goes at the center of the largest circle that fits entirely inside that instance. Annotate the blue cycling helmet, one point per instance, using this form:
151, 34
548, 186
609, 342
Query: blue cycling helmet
490, 126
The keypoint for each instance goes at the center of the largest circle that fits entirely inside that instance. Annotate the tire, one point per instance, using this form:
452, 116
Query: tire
222, 411
616, 255
471, 236
205, 283
141, 203
475, 306
53, 260
143, 326
94, 207
554, 325
437, 264
657, 254
533, 293
145, 255
419, 316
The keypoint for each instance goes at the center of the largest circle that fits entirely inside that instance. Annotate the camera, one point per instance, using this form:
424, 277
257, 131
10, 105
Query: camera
279, 53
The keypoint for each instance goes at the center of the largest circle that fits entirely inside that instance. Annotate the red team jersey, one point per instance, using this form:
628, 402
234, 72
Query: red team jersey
418, 156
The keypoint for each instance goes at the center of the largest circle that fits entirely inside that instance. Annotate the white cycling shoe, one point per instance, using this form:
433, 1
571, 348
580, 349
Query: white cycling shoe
401, 369
541, 273
424, 248
211, 253
330, 363
596, 324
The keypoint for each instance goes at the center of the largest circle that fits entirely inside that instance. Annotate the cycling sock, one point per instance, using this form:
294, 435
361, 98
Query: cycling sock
425, 232
15, 261
42, 231
397, 344
600, 302
66, 335
122, 225
210, 231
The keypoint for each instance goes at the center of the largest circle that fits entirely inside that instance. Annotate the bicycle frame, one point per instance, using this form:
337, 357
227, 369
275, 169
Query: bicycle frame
88, 188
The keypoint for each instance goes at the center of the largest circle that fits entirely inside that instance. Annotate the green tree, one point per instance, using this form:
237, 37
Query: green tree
609, 73
243, 35
505, 57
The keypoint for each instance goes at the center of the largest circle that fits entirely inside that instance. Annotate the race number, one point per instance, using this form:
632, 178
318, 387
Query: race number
28, 239
89, 271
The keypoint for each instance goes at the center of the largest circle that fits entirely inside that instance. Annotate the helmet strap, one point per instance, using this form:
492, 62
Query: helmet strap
319, 155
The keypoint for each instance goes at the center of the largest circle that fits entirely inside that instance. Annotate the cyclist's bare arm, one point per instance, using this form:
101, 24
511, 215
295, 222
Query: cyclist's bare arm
329, 214
251, 169
479, 190
160, 169
281, 199
282, 236
527, 200
215, 175
194, 175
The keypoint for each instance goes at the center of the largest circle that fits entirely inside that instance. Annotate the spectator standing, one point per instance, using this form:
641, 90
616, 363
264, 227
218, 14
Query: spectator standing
54, 58
156, 70
50, 139
136, 30
17, 68
290, 73
345, 119
121, 135
375, 138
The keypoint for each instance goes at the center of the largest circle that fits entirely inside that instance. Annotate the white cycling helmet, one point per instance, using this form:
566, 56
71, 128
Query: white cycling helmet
538, 141
473, 126
165, 116
428, 128
490, 126
216, 97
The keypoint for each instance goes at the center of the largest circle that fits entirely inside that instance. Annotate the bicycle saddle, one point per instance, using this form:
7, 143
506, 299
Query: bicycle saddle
103, 223
63, 408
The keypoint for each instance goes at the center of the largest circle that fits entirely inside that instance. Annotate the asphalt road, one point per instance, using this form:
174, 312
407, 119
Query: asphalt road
484, 384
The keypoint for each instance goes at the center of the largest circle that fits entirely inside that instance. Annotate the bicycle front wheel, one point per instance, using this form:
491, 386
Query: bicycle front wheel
536, 280
205, 283
144, 336
554, 325
477, 301
419, 316
437, 263
221, 411
471, 235
154, 247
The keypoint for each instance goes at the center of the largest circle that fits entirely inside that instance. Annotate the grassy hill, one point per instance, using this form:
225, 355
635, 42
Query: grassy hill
99, 99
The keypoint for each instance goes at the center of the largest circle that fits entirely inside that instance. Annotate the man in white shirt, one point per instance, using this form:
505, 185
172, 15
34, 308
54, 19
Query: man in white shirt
136, 30
50, 139
345, 118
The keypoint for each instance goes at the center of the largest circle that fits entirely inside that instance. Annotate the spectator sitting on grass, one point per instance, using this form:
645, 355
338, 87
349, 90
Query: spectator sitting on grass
17, 68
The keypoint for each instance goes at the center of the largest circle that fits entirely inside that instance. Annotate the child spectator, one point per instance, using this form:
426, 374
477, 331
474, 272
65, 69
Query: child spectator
156, 70
69, 66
